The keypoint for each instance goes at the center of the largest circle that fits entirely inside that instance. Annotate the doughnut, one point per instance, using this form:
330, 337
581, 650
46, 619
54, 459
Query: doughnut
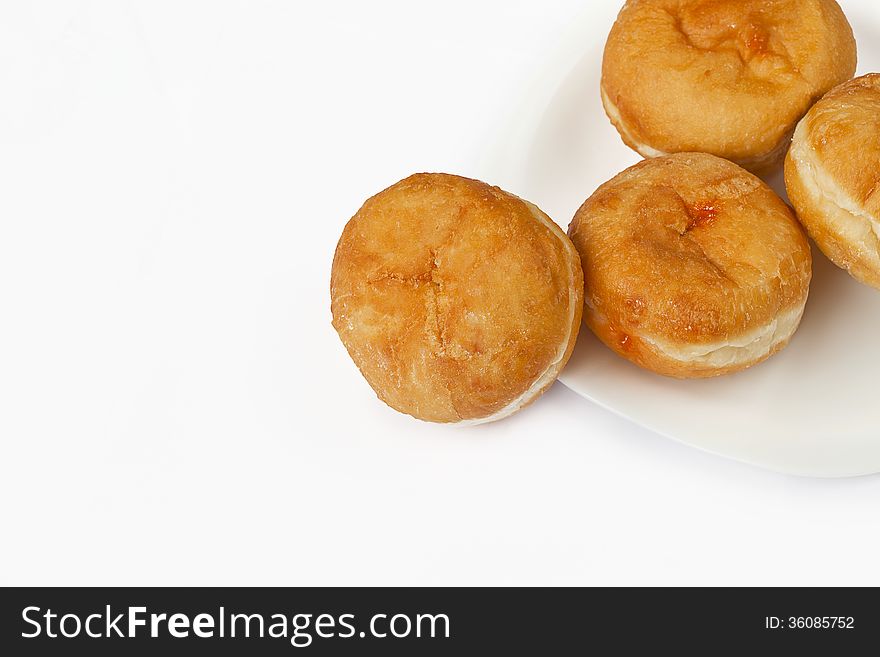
458, 302
832, 174
726, 77
692, 266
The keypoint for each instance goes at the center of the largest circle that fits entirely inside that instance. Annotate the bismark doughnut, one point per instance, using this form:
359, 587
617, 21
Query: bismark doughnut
727, 77
459, 302
832, 174
693, 267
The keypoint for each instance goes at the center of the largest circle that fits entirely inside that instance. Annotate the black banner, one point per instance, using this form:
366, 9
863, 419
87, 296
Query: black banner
277, 621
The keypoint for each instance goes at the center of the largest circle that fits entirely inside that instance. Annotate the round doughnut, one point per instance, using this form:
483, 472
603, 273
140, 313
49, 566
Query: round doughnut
458, 301
693, 267
832, 174
727, 77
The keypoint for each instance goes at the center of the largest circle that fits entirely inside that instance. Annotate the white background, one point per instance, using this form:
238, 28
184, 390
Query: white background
175, 407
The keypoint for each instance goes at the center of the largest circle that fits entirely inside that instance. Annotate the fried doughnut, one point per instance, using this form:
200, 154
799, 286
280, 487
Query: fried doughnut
458, 301
727, 77
693, 267
832, 173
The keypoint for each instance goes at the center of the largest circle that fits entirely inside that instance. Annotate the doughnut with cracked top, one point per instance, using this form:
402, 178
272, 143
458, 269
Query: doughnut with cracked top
459, 302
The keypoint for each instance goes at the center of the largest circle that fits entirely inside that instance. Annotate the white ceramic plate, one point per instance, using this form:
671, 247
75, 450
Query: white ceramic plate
814, 409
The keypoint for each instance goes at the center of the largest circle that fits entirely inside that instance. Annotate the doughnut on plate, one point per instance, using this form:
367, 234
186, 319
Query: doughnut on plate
810, 410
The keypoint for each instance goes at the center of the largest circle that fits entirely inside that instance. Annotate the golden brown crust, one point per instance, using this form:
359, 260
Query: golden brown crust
689, 252
832, 175
727, 77
457, 300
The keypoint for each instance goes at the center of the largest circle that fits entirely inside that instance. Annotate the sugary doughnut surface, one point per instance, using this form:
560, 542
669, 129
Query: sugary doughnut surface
692, 266
457, 300
727, 77
832, 174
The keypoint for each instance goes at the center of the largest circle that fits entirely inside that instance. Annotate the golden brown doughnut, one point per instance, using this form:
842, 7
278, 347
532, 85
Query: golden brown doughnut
458, 301
693, 267
727, 77
832, 174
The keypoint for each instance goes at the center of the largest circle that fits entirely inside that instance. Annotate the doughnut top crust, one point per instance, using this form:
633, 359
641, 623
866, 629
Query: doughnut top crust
455, 298
843, 132
728, 77
689, 249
